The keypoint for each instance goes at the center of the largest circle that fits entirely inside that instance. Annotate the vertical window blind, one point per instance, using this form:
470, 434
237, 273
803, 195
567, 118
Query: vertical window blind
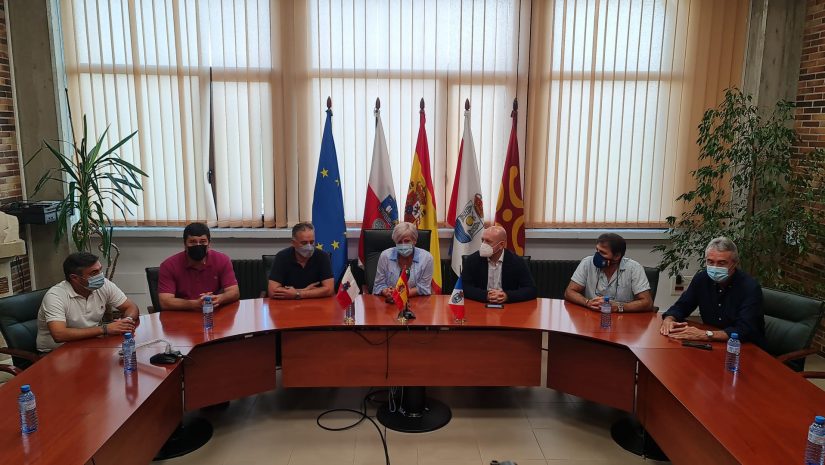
402, 51
610, 94
617, 89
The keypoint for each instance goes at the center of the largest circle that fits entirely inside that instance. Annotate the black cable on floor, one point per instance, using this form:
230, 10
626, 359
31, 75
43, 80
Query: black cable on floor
364, 416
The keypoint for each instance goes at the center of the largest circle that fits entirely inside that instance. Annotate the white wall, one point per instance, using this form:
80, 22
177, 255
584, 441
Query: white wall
141, 248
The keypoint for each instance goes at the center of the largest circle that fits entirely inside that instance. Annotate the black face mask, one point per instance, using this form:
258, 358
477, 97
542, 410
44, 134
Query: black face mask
196, 252
599, 261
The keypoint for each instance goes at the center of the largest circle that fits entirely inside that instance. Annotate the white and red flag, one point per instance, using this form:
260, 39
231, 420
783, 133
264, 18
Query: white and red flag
380, 208
466, 212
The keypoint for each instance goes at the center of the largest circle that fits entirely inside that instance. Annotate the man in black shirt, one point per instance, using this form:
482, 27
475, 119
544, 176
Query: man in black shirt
301, 271
727, 298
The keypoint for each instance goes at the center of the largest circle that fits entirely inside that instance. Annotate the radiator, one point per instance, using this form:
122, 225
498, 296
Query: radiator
552, 276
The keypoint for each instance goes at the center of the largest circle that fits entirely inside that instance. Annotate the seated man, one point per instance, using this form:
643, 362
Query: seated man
495, 274
405, 255
186, 277
301, 271
608, 273
727, 297
73, 309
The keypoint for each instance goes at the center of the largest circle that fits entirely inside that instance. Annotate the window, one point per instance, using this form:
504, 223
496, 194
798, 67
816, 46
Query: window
238, 87
617, 91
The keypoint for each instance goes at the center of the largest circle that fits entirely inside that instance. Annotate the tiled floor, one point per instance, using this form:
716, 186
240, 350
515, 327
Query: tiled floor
530, 426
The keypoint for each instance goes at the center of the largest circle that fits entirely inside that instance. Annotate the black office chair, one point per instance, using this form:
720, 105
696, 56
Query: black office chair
652, 274
152, 280
379, 240
252, 277
791, 321
18, 324
449, 278
268, 260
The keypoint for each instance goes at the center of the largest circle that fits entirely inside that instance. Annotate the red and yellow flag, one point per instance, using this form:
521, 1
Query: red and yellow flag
401, 292
419, 208
510, 206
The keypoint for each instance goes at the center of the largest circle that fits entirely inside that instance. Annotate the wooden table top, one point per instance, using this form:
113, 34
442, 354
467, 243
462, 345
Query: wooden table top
83, 397
760, 414
184, 330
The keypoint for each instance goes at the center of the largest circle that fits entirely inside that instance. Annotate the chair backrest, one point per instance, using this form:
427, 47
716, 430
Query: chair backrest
790, 321
379, 240
268, 260
18, 322
652, 274
152, 281
251, 276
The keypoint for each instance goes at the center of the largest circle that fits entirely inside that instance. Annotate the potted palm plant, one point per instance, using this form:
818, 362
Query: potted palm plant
754, 187
91, 175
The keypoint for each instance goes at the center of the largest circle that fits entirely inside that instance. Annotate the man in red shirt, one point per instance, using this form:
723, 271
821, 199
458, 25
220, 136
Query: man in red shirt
186, 277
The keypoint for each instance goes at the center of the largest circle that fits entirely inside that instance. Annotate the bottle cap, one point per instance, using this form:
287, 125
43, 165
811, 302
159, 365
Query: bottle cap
27, 388
606, 299
127, 335
734, 335
819, 420
207, 299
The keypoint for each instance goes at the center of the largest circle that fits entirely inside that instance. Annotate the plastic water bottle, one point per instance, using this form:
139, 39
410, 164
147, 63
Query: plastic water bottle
816, 442
605, 311
129, 354
28, 410
732, 357
208, 310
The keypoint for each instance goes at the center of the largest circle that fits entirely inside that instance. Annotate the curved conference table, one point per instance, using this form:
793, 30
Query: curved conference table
91, 412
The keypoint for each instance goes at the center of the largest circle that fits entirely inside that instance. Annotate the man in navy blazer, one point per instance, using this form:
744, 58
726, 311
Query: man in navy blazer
495, 274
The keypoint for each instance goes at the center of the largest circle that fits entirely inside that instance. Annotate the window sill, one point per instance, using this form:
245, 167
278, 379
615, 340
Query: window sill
443, 233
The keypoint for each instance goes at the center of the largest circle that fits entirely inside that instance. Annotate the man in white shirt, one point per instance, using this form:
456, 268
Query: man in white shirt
608, 273
73, 309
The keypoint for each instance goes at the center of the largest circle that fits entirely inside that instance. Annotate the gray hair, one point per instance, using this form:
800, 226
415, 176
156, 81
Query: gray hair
723, 244
402, 229
301, 227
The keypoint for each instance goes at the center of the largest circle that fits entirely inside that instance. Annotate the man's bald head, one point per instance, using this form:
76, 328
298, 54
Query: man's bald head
496, 238
493, 235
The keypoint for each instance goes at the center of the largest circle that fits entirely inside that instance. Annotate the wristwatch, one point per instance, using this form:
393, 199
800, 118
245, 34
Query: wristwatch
709, 334
297, 295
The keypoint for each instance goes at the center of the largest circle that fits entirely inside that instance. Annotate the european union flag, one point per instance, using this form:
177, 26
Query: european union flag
328, 204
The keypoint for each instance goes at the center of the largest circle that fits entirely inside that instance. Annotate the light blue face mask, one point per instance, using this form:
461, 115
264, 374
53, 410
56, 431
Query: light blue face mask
305, 250
96, 282
717, 273
405, 250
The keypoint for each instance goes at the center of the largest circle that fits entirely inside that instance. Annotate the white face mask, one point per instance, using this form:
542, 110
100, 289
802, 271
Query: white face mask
486, 250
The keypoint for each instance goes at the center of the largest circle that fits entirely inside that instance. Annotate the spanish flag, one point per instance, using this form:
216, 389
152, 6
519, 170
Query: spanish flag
510, 206
401, 292
420, 206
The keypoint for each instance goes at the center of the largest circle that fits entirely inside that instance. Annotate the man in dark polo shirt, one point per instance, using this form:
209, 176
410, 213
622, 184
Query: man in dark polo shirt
186, 277
301, 271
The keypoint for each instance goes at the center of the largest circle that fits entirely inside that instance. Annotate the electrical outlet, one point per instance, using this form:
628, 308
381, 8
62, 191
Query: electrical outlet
680, 283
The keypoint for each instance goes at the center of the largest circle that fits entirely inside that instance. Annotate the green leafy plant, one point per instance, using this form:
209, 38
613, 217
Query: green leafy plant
92, 175
753, 187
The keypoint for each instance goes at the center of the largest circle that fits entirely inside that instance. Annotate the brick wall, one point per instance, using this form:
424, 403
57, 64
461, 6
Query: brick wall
10, 182
810, 125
